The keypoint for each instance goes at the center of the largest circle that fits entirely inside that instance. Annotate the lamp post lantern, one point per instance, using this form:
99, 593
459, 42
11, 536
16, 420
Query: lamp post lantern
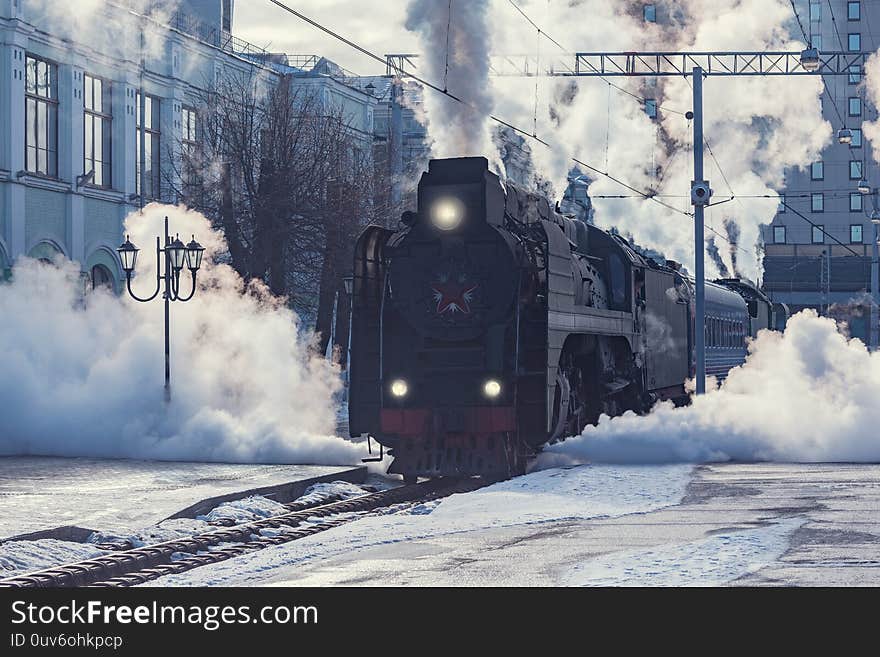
170, 261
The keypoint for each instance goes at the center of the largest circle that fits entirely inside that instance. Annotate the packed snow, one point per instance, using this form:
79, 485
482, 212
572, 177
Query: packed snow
22, 556
540, 498
713, 561
41, 493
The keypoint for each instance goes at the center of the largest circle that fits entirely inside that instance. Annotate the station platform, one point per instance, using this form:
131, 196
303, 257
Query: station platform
68, 498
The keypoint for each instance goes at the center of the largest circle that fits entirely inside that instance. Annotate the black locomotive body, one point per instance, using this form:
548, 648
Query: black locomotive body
488, 325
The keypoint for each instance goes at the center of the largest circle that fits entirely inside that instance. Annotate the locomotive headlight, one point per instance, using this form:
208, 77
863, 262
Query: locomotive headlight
492, 388
447, 213
399, 388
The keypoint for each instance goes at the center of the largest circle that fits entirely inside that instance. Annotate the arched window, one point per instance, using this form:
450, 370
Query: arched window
102, 278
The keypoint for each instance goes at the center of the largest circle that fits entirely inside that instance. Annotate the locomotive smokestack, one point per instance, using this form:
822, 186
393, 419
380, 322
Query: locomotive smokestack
463, 185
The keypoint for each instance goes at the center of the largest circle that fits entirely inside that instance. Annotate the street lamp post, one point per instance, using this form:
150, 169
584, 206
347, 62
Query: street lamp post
176, 254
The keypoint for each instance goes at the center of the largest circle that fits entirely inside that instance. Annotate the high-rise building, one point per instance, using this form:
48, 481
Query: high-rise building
822, 260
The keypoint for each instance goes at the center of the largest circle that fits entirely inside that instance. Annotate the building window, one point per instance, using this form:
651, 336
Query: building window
97, 123
855, 106
41, 117
815, 11
857, 138
819, 234
855, 169
816, 41
101, 278
781, 207
651, 108
817, 202
855, 73
817, 171
651, 13
855, 234
855, 202
854, 42
853, 11
149, 132
189, 144
779, 234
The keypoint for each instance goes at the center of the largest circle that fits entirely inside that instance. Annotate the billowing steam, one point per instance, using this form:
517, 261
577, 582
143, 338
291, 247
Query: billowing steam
808, 395
84, 378
715, 255
871, 129
756, 126
455, 53
733, 232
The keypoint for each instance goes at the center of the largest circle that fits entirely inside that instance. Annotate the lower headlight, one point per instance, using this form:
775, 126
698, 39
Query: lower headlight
399, 388
492, 388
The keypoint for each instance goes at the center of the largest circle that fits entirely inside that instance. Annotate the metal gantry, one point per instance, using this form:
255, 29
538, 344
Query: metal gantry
696, 65
653, 64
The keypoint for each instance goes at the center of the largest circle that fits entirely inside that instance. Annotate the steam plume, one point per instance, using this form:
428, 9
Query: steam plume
85, 378
808, 395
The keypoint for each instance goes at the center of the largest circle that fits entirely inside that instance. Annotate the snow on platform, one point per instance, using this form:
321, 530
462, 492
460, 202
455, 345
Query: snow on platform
38, 494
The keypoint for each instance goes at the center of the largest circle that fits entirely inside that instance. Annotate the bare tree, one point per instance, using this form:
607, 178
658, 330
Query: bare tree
290, 182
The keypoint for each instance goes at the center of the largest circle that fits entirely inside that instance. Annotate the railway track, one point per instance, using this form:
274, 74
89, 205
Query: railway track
131, 567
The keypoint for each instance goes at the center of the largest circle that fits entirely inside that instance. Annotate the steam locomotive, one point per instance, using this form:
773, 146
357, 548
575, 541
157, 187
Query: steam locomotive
488, 325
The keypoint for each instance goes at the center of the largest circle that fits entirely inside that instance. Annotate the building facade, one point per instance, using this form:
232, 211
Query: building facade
825, 263
75, 155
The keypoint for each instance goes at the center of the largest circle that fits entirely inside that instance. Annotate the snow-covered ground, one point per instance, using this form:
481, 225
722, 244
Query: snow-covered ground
536, 500
19, 557
760, 524
672, 525
40, 493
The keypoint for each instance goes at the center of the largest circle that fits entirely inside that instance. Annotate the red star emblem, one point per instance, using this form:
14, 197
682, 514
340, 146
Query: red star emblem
453, 297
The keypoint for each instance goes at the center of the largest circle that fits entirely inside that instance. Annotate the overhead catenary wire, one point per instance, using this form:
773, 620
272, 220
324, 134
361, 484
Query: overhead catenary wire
448, 31
821, 228
809, 40
451, 96
642, 100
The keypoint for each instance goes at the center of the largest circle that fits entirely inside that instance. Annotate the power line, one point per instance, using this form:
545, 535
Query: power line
800, 24
448, 30
642, 99
457, 99
821, 228
809, 40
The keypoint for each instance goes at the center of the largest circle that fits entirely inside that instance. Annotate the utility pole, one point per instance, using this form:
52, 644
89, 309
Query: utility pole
874, 331
700, 196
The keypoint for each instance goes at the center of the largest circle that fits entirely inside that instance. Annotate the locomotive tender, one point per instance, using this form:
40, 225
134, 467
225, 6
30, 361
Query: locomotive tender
488, 324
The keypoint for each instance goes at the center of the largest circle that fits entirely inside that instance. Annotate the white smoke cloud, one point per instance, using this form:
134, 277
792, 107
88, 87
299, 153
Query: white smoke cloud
111, 29
756, 127
871, 129
85, 379
808, 395
458, 129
